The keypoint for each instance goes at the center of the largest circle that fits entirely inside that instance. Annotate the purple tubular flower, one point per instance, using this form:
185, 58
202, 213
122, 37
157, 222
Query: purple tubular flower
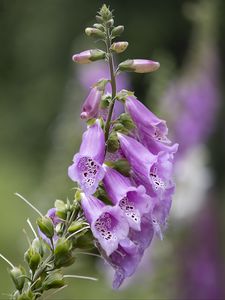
133, 201
124, 260
87, 168
146, 121
153, 171
144, 237
108, 223
51, 213
155, 146
90, 107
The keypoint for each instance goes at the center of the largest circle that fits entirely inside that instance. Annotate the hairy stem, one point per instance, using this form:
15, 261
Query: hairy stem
113, 84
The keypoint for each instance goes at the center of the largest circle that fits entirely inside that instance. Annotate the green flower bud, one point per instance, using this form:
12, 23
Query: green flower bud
46, 226
123, 94
94, 32
63, 253
119, 47
105, 101
105, 13
39, 246
26, 296
99, 19
126, 121
110, 23
61, 209
113, 143
76, 225
126, 65
99, 26
122, 166
33, 258
53, 281
118, 127
18, 276
84, 242
117, 31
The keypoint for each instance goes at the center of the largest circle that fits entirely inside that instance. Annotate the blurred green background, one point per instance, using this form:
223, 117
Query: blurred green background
41, 95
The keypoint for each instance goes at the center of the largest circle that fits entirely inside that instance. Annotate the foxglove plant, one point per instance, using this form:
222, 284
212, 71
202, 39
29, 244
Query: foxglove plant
123, 172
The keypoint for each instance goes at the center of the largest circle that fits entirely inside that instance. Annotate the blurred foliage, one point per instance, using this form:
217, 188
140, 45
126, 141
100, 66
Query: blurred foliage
40, 94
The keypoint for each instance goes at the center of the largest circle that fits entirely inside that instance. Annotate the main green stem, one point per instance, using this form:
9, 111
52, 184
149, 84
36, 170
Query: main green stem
113, 84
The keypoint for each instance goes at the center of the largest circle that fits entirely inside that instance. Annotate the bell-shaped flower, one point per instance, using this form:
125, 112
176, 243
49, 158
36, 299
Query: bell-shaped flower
155, 146
133, 201
143, 238
108, 224
90, 107
153, 171
87, 167
125, 260
145, 120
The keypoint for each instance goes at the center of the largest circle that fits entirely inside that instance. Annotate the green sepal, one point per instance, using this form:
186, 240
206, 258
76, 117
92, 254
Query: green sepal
113, 143
18, 276
126, 66
84, 242
97, 54
76, 225
46, 226
61, 209
126, 120
117, 31
106, 99
54, 280
39, 246
123, 94
33, 258
120, 165
63, 256
27, 296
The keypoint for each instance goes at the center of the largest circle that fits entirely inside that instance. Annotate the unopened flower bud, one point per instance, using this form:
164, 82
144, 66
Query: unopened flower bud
106, 99
126, 121
53, 281
122, 166
39, 246
18, 276
99, 19
76, 225
139, 65
63, 253
113, 143
33, 258
94, 32
88, 56
91, 105
46, 226
119, 47
26, 296
99, 26
84, 242
117, 31
105, 13
110, 23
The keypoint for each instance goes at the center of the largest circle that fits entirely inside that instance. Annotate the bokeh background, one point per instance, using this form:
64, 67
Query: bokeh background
41, 91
